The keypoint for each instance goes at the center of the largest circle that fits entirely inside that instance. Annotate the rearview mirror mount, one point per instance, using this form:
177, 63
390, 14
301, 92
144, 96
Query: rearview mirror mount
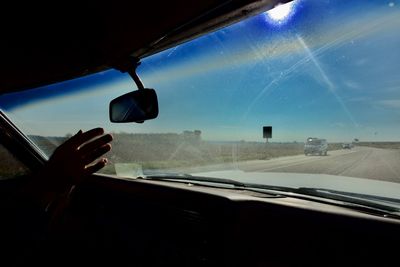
136, 106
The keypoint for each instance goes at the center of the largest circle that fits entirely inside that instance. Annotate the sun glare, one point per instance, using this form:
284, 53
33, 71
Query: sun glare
280, 12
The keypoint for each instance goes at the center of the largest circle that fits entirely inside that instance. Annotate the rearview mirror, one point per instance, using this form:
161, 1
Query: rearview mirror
136, 106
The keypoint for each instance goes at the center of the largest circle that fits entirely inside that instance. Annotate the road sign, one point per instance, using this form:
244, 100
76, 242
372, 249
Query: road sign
267, 132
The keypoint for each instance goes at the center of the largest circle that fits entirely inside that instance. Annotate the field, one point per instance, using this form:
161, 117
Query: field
384, 145
9, 166
168, 151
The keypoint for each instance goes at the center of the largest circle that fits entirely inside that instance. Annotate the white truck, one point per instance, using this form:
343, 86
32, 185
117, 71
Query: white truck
316, 145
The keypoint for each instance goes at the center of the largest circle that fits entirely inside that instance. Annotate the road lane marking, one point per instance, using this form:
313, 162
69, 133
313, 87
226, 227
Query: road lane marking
290, 159
305, 162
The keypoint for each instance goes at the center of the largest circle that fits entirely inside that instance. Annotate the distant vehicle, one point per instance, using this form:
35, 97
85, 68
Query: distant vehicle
347, 145
315, 145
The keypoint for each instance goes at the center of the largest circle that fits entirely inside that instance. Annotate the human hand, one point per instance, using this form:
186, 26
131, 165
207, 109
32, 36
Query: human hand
76, 158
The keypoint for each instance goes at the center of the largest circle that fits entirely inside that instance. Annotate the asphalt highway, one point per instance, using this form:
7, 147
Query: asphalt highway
363, 162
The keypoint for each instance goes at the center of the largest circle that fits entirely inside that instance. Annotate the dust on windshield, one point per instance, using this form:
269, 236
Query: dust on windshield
294, 68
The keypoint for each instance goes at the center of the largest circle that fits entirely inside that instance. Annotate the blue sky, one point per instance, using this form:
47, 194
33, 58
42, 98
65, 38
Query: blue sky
329, 69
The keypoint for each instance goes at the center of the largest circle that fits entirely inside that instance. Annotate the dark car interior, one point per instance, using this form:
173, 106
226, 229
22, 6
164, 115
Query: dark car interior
116, 221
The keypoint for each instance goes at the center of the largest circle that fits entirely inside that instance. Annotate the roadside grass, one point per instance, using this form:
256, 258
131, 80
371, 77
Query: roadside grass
384, 145
164, 152
10, 166
174, 151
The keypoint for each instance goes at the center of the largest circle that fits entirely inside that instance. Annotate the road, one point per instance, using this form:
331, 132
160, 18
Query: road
362, 162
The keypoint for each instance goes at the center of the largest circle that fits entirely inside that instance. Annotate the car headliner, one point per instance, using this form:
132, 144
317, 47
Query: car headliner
46, 43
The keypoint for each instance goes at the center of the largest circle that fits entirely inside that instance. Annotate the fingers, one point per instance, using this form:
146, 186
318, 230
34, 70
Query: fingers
76, 157
82, 137
95, 144
73, 140
94, 168
94, 154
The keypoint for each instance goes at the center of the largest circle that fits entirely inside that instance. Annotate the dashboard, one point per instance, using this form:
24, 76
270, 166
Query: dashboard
158, 223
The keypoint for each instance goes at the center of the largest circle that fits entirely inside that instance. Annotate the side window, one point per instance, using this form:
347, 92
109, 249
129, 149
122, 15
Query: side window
10, 167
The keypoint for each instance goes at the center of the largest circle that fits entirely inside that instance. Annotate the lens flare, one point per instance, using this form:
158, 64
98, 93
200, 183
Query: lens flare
281, 12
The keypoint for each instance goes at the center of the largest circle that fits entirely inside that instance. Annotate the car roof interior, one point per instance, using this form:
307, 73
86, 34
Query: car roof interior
118, 221
48, 43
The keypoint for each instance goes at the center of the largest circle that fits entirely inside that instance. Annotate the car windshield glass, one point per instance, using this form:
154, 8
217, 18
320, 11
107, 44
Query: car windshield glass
328, 70
314, 142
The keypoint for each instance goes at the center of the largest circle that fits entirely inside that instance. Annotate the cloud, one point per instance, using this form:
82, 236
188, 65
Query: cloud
361, 62
352, 85
391, 103
364, 99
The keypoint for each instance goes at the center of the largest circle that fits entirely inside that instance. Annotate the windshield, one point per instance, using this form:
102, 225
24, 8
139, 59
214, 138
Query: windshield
322, 69
312, 141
